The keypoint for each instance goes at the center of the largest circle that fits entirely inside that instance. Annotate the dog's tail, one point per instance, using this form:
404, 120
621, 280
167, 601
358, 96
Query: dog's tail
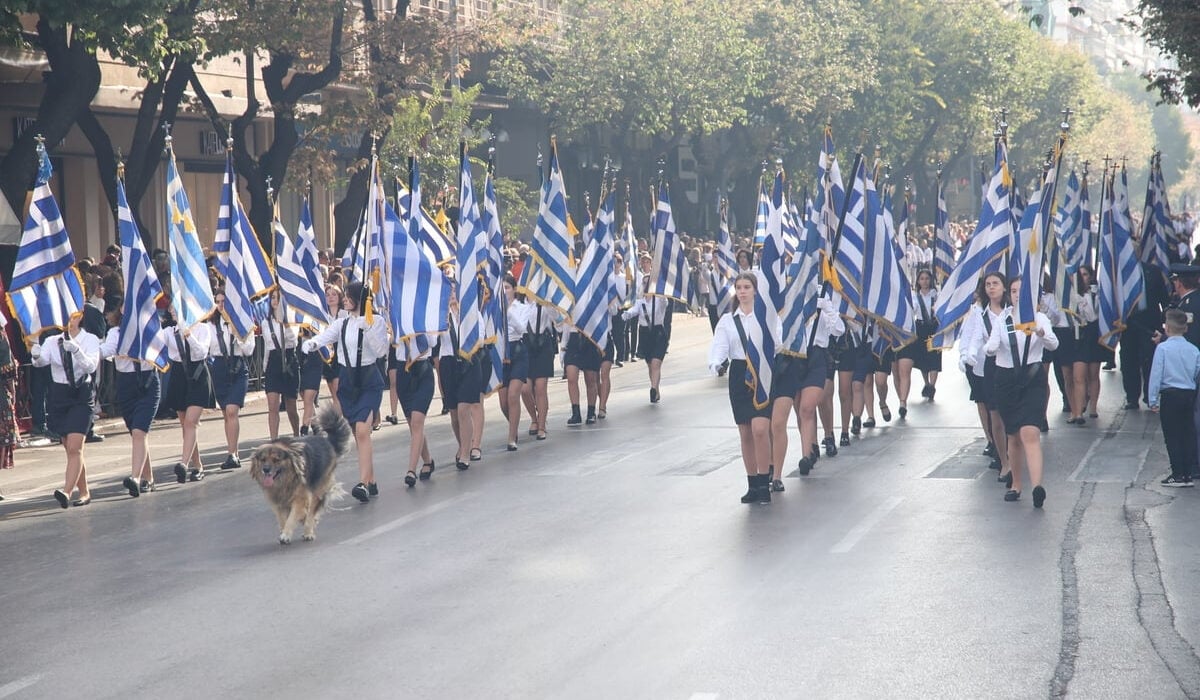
335, 428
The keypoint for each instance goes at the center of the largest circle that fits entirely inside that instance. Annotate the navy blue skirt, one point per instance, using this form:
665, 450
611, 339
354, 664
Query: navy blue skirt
359, 392
69, 409
229, 381
414, 387
582, 353
311, 369
282, 375
516, 368
741, 398
184, 391
138, 394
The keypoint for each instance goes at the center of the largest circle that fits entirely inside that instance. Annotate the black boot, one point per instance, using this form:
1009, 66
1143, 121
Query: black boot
752, 489
591, 415
576, 418
806, 465
764, 489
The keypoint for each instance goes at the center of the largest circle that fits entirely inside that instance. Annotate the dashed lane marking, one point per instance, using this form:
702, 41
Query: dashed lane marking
404, 520
14, 687
864, 526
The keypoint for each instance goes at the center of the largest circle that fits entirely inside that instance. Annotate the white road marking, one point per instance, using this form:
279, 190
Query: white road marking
1086, 457
704, 696
405, 519
14, 687
864, 526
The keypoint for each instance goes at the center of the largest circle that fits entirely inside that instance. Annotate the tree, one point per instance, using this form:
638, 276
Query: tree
1174, 27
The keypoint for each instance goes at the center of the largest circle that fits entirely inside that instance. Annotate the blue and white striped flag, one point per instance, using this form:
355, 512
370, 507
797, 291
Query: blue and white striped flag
547, 276
191, 295
760, 348
240, 259
848, 258
669, 268
46, 290
1072, 238
984, 252
724, 263
305, 304
629, 249
943, 246
137, 336
306, 249
886, 291
495, 326
762, 213
594, 289
800, 296
418, 289
1156, 221
1085, 223
471, 261
1119, 273
771, 260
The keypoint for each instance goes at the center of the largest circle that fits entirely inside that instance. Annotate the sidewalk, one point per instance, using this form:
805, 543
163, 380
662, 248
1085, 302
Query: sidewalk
40, 470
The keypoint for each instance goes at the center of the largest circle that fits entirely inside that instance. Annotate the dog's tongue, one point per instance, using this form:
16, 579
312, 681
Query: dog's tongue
268, 479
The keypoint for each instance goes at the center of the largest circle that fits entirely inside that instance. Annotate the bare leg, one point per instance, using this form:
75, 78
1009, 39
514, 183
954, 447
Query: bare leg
781, 411
293, 417
190, 420
1016, 462
1031, 444
273, 415
515, 392
881, 388
573, 384
825, 408
416, 442
810, 398
476, 410
139, 452
845, 396
903, 380
543, 402
749, 457
233, 428
605, 384
310, 406
760, 430
393, 397
1093, 386
1001, 440
654, 367
366, 452
530, 403
332, 384
73, 445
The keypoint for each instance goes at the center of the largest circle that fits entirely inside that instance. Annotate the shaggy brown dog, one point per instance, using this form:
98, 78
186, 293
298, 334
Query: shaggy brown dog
296, 474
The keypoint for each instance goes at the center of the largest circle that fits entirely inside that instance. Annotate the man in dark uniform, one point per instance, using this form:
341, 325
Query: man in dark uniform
1185, 279
1137, 346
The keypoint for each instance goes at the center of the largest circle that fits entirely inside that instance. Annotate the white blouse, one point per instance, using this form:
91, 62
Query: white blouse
233, 346
85, 355
999, 344
374, 345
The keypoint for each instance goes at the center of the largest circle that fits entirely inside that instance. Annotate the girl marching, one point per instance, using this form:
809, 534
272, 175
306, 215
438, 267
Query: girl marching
230, 377
72, 358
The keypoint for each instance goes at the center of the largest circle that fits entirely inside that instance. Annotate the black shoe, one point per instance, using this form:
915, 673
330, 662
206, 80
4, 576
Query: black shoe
925, 391
776, 486
393, 420
181, 473
196, 475
575, 420
1130, 406
995, 464
806, 464
1039, 496
132, 486
855, 425
360, 492
591, 417
830, 447
1177, 481
424, 475
764, 489
461, 465
148, 486
751, 494
845, 441
654, 395
93, 437
81, 501
372, 489
990, 450
64, 500
512, 447
814, 454
476, 454
885, 412
903, 412
1066, 408
932, 392
1011, 495
869, 423
410, 479
1006, 480
303, 430
231, 462
618, 363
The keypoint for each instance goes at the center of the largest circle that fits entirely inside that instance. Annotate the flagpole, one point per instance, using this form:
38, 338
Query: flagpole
837, 241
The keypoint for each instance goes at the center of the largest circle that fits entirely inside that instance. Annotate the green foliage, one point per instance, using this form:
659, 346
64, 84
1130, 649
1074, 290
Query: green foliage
1174, 27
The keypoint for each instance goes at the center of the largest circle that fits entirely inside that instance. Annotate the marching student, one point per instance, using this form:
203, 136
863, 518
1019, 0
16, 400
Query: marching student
928, 362
1021, 393
360, 344
282, 380
189, 389
619, 336
334, 301
581, 355
414, 390
735, 331
799, 384
542, 348
230, 377
72, 356
981, 368
607, 358
138, 394
312, 369
516, 366
653, 316
1172, 395
462, 387
1089, 354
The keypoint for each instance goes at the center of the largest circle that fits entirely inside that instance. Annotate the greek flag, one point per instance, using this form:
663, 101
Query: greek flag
724, 263
377, 255
984, 252
306, 249
772, 260
594, 289
472, 263
1085, 224
669, 269
800, 296
1072, 238
1156, 220
1119, 275
943, 247
192, 297
848, 249
240, 259
762, 213
495, 326
792, 223
760, 348
418, 290
886, 291
1029, 255
305, 303
547, 276
46, 289
629, 249
137, 336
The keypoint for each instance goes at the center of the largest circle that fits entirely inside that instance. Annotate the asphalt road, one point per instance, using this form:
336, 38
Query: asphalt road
615, 561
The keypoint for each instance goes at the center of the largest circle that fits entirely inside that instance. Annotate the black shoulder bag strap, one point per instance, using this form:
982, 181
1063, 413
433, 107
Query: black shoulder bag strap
68, 362
1018, 359
737, 322
924, 309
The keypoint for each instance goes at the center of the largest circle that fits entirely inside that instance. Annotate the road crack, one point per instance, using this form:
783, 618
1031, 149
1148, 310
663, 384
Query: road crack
1068, 652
